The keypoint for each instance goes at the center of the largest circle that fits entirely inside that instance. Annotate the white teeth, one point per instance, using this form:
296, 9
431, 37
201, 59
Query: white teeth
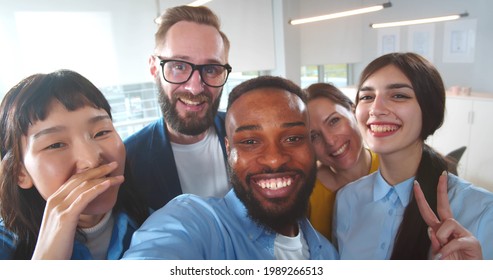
189, 102
341, 150
274, 184
383, 128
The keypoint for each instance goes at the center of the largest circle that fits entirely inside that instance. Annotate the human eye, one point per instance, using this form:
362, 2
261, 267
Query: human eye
365, 97
314, 136
333, 121
400, 95
295, 139
55, 146
248, 142
102, 133
212, 70
178, 66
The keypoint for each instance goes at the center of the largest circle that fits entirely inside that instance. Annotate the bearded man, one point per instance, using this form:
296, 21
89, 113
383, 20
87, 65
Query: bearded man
184, 151
272, 173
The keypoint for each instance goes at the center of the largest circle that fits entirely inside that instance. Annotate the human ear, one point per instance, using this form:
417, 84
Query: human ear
152, 66
24, 180
226, 143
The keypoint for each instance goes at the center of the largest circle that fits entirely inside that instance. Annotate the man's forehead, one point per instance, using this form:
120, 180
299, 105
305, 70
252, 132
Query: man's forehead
265, 105
265, 97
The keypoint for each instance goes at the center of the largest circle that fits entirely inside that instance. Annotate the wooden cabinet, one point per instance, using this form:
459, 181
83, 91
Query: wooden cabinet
468, 122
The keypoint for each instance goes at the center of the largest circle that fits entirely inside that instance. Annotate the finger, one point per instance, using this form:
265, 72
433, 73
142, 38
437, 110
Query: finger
450, 229
82, 199
63, 201
435, 244
443, 205
55, 240
78, 179
463, 248
424, 208
92, 187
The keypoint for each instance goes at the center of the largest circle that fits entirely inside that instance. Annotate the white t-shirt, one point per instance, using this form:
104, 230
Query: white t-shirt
291, 248
99, 237
201, 166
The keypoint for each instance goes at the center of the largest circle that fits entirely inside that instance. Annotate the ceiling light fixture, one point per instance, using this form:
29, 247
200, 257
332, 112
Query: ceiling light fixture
341, 14
418, 21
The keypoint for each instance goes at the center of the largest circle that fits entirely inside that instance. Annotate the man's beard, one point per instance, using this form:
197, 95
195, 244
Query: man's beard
191, 124
281, 216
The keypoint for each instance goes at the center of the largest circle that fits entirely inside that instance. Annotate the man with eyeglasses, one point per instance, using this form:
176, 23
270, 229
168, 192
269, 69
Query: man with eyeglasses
184, 151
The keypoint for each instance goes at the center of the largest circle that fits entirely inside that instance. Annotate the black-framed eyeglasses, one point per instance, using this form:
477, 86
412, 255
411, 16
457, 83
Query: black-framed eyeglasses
179, 72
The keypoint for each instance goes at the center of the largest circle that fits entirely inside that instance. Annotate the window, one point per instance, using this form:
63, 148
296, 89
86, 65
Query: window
234, 79
337, 74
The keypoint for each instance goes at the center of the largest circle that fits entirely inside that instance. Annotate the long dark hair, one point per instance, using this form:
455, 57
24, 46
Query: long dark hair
412, 240
28, 101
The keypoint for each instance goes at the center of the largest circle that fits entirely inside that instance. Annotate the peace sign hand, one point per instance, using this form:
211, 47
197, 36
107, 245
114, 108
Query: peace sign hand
449, 239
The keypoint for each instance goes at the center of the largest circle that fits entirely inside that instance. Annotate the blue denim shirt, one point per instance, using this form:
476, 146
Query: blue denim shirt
191, 227
120, 240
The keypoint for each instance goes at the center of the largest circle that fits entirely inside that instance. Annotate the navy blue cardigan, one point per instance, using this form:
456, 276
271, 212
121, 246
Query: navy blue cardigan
152, 163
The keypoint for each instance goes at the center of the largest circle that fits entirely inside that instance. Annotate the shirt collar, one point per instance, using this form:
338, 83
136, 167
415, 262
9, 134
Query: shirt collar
254, 229
403, 189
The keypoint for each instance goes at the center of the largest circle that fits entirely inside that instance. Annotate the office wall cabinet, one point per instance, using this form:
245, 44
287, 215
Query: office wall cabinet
468, 122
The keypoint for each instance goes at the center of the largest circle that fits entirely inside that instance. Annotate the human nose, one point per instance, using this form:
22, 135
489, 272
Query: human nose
88, 155
195, 85
378, 107
329, 138
274, 156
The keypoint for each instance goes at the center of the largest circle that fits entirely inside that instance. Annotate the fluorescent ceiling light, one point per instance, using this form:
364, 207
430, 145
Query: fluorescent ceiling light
417, 21
198, 3
341, 14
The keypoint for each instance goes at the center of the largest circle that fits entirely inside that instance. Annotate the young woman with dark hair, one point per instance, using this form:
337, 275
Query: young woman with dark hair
400, 102
62, 190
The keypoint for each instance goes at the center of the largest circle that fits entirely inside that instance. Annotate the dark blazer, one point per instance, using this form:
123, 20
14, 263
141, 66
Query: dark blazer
152, 163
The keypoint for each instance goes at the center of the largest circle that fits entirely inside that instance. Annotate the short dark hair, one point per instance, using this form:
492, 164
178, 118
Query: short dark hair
265, 82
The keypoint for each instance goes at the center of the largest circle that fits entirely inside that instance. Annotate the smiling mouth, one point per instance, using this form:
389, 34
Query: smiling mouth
383, 128
191, 102
274, 183
341, 150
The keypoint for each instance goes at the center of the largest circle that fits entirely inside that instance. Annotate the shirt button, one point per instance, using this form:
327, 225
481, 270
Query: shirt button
391, 211
382, 246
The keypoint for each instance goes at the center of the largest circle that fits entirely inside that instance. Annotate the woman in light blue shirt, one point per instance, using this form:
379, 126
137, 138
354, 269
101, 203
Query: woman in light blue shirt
400, 102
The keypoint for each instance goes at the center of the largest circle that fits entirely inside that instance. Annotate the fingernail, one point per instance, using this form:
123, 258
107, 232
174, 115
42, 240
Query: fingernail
444, 173
429, 232
438, 256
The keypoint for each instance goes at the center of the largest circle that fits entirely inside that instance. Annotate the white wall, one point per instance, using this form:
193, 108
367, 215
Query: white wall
109, 41
477, 75
352, 40
117, 51
106, 41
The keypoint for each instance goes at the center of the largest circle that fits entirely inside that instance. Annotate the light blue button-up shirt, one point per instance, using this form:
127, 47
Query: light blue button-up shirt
192, 227
369, 211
